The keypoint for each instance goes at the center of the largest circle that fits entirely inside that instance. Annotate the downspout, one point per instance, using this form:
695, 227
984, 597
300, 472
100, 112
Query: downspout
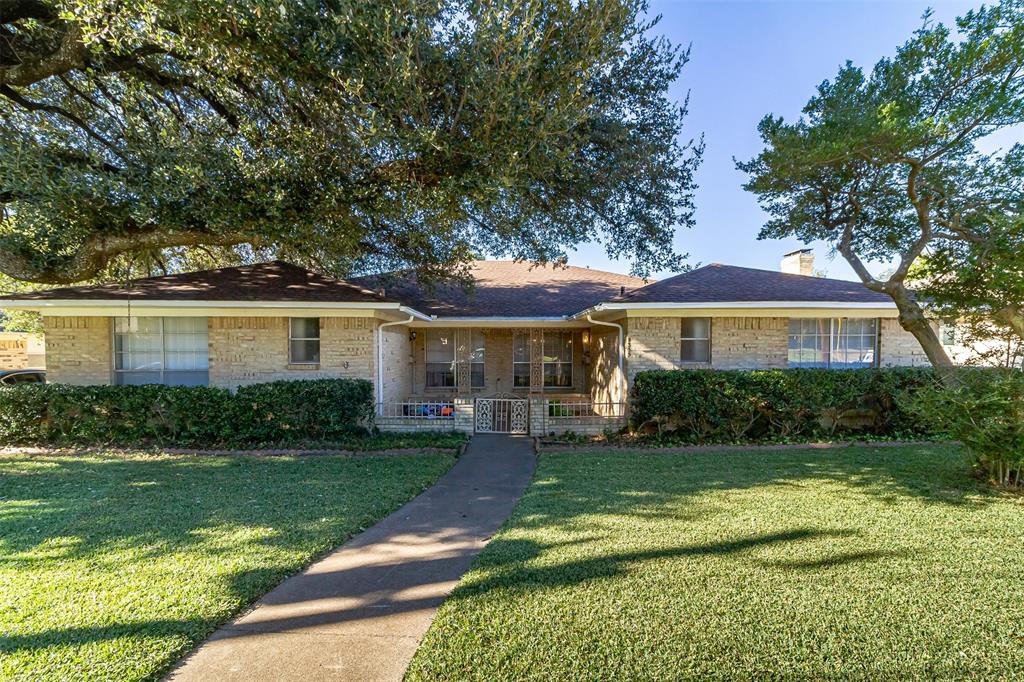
380, 359
621, 353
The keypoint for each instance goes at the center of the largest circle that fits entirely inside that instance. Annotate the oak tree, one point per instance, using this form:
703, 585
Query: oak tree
350, 134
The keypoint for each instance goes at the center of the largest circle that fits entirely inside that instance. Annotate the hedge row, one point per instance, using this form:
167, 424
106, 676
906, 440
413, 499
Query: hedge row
714, 406
278, 412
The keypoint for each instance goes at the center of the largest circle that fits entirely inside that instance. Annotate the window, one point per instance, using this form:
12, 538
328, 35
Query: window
695, 340
304, 340
557, 360
476, 359
947, 334
837, 343
440, 359
161, 350
521, 361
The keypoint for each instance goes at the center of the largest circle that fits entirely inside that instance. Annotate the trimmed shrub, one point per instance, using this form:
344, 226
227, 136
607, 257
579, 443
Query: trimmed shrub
985, 412
193, 416
716, 406
308, 410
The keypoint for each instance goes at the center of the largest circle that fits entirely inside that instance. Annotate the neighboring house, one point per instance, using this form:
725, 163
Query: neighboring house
530, 349
21, 350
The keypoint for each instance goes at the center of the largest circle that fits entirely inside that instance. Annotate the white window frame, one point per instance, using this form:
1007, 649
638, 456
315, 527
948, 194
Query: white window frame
163, 371
682, 338
292, 337
833, 338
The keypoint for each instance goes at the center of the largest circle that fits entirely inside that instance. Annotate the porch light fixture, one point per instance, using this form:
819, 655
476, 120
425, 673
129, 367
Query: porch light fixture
412, 335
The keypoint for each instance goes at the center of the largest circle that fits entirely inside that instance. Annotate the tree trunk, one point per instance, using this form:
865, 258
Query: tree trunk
912, 318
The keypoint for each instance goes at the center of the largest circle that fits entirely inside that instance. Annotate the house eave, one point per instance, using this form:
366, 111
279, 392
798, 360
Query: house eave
745, 308
117, 307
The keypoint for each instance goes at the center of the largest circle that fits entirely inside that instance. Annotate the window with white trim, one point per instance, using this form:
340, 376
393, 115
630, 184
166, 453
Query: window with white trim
695, 340
304, 341
161, 350
835, 343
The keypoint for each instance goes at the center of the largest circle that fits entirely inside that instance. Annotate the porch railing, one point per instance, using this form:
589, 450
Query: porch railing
417, 409
576, 409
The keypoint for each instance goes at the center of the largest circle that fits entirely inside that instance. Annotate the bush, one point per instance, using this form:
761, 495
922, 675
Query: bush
195, 416
714, 406
985, 412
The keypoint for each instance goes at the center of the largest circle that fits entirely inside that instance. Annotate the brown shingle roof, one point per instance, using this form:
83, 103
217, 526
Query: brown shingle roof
274, 281
509, 289
717, 283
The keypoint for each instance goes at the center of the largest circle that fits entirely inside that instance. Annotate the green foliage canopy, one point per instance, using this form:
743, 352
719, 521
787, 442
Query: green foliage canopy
887, 164
349, 134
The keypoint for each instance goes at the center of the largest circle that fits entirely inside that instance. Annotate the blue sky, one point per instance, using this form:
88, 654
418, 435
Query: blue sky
750, 59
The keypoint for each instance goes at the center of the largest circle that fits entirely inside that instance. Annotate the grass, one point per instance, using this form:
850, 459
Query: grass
111, 567
389, 441
855, 563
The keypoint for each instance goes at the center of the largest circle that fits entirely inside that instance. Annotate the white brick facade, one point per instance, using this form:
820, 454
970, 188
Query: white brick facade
251, 350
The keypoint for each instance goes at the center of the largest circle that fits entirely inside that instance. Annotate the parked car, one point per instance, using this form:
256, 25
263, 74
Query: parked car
10, 377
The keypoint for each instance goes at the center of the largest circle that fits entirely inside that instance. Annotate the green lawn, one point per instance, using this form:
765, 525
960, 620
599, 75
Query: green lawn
889, 563
111, 567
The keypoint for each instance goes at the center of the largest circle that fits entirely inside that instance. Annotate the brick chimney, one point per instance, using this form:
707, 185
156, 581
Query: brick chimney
799, 262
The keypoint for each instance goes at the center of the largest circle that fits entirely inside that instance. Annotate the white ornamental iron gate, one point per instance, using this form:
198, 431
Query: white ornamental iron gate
502, 415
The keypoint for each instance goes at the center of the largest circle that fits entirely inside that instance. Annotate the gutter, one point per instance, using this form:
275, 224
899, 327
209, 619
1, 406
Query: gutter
841, 305
622, 349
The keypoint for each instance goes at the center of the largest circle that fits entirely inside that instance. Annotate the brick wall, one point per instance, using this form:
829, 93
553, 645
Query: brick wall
249, 350
749, 342
651, 343
736, 343
396, 353
78, 350
13, 350
898, 347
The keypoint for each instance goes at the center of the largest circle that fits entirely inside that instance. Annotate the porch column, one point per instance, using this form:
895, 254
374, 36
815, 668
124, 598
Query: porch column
463, 357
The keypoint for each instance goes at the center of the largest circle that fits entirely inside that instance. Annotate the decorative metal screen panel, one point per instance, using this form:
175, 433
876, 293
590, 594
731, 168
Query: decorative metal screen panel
502, 415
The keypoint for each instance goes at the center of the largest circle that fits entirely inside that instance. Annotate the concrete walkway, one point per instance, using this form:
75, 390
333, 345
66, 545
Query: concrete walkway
360, 613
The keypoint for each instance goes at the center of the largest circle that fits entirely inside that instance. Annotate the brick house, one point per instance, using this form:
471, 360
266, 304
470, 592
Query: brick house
528, 349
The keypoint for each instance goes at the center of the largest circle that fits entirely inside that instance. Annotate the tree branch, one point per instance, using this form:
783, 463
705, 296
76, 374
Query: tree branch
96, 253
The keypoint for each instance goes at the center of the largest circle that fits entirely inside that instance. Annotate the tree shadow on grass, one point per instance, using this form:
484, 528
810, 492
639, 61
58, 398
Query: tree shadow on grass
643, 484
110, 512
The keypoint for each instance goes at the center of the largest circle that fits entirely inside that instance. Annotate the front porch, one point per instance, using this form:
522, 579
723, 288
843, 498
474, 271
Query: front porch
539, 380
